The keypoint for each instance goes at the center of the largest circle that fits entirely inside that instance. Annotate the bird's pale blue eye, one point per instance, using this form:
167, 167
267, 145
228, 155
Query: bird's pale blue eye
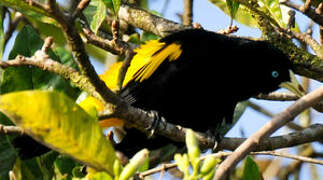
274, 74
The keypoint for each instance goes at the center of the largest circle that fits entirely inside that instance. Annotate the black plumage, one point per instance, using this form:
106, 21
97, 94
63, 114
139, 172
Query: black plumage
200, 88
193, 78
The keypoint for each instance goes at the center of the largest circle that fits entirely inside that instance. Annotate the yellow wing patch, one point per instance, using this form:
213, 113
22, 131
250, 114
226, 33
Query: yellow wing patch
148, 58
110, 76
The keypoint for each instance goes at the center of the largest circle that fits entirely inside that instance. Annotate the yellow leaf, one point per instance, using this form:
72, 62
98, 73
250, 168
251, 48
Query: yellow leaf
56, 121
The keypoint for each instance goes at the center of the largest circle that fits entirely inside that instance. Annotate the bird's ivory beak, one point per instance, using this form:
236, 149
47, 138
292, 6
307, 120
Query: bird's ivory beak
293, 85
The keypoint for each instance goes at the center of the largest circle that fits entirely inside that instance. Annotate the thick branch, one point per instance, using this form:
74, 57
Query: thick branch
147, 21
74, 40
310, 134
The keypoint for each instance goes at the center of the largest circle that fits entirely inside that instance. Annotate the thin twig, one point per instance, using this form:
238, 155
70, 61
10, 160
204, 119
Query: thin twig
306, 6
165, 167
304, 38
44, 62
188, 12
290, 168
12, 26
229, 30
80, 7
290, 156
11, 130
309, 11
277, 96
281, 119
47, 44
118, 47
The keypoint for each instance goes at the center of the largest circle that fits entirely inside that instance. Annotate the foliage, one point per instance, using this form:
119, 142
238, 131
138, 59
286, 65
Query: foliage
201, 169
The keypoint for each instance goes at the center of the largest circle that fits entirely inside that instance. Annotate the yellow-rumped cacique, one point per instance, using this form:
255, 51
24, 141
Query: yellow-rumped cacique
195, 78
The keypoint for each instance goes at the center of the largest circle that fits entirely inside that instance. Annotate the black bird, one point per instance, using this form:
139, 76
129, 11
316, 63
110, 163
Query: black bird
195, 78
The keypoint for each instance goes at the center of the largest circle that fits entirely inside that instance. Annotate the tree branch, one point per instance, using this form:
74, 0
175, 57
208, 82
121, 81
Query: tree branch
188, 12
44, 62
220, 155
277, 96
175, 132
281, 119
147, 21
290, 156
75, 42
310, 134
309, 12
10, 130
265, 112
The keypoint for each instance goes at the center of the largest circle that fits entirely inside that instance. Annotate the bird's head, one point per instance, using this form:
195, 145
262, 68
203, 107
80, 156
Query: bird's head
276, 71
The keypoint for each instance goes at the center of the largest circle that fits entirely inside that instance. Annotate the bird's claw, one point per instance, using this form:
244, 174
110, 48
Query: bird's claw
154, 126
215, 138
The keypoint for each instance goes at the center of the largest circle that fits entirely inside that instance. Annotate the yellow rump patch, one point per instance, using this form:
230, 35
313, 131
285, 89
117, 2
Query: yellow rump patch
111, 122
148, 58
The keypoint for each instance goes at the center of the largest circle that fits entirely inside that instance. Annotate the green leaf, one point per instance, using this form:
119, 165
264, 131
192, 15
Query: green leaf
239, 110
23, 6
233, 7
32, 11
95, 14
64, 167
8, 153
135, 163
36, 168
108, 3
144, 4
27, 43
182, 162
30, 169
192, 145
251, 170
78, 172
209, 164
97, 53
272, 8
146, 36
116, 6
242, 15
101, 176
15, 79
55, 120
48, 29
7, 156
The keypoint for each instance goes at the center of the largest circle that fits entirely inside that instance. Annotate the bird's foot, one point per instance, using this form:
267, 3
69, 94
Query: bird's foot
215, 138
154, 126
